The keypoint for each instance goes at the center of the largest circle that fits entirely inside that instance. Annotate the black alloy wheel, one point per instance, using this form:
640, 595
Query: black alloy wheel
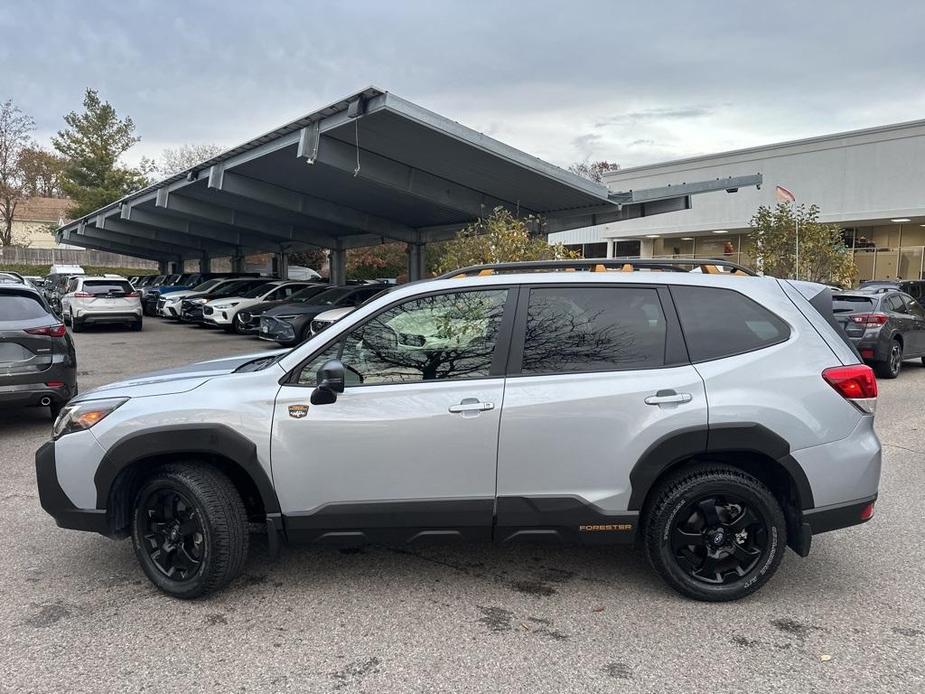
894, 363
714, 532
718, 539
173, 534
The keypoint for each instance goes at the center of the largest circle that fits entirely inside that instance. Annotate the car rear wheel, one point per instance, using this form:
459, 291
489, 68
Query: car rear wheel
138, 325
189, 530
714, 533
76, 325
67, 320
894, 363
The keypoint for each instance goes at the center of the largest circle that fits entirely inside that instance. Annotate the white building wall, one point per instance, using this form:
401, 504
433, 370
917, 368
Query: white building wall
862, 177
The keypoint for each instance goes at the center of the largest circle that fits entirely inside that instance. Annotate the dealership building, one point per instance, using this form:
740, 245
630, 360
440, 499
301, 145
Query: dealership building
870, 182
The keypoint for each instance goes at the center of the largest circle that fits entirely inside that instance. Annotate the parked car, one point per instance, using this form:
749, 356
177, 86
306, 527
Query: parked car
185, 282
56, 283
289, 324
95, 300
326, 319
247, 320
11, 278
886, 327
516, 406
222, 312
914, 288
168, 305
191, 306
38, 364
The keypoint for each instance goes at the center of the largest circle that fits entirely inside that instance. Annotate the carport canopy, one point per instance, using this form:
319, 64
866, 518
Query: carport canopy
369, 169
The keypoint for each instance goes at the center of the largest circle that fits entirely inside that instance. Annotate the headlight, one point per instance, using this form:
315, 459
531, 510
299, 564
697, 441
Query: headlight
197, 301
221, 307
83, 415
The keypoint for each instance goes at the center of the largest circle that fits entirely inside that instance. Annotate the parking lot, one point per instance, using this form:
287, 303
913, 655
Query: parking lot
78, 614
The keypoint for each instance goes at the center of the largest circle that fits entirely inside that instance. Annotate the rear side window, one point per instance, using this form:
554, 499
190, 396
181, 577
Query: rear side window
574, 329
895, 304
722, 322
20, 307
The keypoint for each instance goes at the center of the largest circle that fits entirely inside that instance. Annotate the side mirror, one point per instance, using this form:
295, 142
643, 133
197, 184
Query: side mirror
331, 378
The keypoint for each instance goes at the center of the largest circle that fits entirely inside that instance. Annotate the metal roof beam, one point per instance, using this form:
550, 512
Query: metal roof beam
220, 234
176, 238
76, 239
730, 184
616, 214
307, 205
404, 178
167, 249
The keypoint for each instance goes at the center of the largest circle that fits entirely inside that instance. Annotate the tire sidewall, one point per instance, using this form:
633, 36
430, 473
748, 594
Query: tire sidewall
189, 588
771, 556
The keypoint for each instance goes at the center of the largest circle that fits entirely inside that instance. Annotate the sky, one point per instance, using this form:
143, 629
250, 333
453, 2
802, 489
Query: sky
632, 83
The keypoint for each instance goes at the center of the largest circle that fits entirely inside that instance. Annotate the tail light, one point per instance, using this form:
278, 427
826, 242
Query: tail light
83, 295
57, 330
55, 384
855, 383
133, 295
870, 320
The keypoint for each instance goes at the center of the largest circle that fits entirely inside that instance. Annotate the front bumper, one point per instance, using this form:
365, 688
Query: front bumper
57, 504
191, 315
276, 330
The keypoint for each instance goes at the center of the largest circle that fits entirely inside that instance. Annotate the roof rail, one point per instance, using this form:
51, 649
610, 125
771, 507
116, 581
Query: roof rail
712, 266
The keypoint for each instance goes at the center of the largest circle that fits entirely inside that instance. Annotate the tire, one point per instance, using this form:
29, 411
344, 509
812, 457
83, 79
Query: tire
76, 325
137, 326
210, 552
66, 319
54, 409
741, 545
238, 327
893, 365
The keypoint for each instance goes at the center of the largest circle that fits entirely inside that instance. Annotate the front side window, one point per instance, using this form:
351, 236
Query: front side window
442, 337
722, 322
583, 329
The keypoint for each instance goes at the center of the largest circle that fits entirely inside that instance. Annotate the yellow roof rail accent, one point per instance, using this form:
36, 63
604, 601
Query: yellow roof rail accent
710, 269
599, 268
627, 267
486, 272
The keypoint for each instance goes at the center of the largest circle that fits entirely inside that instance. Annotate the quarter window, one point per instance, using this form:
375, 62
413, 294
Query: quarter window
722, 322
572, 329
441, 337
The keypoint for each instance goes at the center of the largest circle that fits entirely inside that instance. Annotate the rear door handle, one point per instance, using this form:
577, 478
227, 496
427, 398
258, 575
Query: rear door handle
471, 405
666, 397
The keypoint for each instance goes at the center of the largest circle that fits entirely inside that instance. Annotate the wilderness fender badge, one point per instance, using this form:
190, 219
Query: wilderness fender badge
298, 411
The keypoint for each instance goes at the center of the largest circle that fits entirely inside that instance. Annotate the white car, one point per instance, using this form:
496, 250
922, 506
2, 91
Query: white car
100, 300
221, 312
328, 318
168, 305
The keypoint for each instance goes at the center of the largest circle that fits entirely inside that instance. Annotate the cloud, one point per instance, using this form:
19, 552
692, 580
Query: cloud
543, 77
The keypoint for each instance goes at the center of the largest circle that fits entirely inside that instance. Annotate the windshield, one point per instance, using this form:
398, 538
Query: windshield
259, 290
233, 288
332, 296
205, 286
307, 293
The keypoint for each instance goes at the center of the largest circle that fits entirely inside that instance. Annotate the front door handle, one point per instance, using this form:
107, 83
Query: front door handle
667, 397
471, 405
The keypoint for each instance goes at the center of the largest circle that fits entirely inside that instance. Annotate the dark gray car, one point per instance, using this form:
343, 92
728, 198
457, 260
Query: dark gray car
38, 364
886, 326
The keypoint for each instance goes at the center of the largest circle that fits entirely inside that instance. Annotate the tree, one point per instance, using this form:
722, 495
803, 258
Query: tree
15, 136
92, 143
593, 170
824, 257
42, 171
500, 237
385, 260
185, 157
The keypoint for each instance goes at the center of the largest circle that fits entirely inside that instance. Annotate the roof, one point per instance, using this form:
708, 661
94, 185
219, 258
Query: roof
51, 210
369, 168
876, 133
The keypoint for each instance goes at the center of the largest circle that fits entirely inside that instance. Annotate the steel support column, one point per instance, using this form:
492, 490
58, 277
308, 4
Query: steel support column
337, 266
162, 267
238, 262
415, 261
281, 265
205, 264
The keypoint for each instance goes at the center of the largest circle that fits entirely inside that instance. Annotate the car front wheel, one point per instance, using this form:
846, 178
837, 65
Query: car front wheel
714, 533
189, 530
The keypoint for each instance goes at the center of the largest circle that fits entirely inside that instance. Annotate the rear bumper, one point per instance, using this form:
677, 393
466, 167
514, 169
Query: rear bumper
822, 520
32, 394
57, 504
110, 317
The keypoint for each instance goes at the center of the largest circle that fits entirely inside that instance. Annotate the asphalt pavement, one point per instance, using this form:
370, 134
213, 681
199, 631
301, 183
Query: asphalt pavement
77, 614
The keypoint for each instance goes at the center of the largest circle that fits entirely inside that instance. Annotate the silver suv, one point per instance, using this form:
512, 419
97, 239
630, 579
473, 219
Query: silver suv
712, 417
